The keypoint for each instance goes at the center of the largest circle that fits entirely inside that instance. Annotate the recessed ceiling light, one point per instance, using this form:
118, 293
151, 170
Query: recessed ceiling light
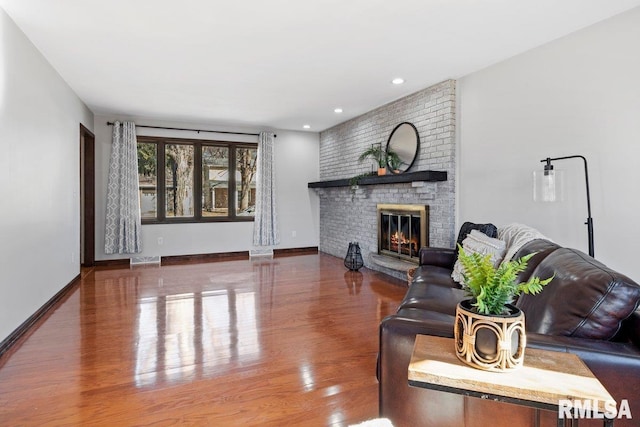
306, 127
397, 81
337, 110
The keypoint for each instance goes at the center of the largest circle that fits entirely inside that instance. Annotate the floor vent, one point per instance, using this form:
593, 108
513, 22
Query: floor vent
140, 260
260, 253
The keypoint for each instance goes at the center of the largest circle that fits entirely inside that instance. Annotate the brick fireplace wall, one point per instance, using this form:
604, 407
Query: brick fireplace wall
347, 216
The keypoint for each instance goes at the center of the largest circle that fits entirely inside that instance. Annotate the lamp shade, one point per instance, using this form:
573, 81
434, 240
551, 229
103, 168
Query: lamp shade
548, 185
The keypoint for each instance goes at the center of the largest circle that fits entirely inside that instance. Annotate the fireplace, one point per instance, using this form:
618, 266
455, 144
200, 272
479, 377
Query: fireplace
402, 230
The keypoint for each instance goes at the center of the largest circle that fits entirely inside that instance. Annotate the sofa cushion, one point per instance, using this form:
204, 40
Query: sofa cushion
488, 229
479, 243
420, 314
585, 299
433, 297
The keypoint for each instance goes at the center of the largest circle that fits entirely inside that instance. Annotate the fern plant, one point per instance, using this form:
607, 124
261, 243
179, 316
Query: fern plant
492, 288
394, 160
377, 153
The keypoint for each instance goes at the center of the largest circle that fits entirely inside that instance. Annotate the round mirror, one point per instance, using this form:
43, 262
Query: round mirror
404, 142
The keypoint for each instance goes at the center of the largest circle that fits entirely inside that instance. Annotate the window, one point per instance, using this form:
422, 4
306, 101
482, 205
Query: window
215, 181
200, 181
178, 185
246, 184
148, 179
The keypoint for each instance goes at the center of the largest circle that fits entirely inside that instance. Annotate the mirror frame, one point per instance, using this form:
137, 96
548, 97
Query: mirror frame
415, 154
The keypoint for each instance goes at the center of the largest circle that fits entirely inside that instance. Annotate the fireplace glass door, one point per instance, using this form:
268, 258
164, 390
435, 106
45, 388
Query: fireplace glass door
402, 230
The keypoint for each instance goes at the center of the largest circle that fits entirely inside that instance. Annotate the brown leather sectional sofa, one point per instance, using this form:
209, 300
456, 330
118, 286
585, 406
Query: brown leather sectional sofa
588, 309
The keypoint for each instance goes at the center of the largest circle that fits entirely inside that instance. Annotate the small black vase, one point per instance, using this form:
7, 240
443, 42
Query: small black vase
353, 261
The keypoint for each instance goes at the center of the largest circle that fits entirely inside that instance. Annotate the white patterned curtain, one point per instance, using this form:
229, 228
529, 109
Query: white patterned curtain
265, 230
123, 226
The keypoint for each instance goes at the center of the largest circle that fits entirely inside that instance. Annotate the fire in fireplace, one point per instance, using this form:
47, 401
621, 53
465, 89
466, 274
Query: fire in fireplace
402, 230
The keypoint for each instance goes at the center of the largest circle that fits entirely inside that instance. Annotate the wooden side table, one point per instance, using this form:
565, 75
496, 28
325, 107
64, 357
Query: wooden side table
546, 378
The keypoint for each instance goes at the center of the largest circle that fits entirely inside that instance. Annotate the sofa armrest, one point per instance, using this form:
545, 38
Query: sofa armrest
398, 335
615, 364
583, 346
440, 257
402, 404
631, 328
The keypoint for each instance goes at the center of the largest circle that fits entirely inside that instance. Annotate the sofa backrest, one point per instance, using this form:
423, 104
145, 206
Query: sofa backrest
585, 299
542, 248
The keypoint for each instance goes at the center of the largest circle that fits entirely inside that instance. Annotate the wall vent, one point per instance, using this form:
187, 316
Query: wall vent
260, 252
139, 260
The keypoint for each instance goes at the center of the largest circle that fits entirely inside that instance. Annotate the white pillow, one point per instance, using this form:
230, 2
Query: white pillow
516, 236
478, 242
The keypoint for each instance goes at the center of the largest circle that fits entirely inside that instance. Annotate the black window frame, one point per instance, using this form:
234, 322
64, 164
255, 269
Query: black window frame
198, 144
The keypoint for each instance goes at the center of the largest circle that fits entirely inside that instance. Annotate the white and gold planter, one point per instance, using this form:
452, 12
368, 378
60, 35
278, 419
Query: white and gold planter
491, 343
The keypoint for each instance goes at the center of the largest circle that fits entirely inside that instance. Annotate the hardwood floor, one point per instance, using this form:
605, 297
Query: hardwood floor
268, 342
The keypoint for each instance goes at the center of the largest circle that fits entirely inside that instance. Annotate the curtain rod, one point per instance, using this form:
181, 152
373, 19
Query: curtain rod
195, 130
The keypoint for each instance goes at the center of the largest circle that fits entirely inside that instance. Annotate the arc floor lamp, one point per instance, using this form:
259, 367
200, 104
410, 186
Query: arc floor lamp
547, 187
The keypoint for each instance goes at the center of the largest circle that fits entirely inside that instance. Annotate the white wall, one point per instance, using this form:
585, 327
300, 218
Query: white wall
40, 120
297, 163
576, 95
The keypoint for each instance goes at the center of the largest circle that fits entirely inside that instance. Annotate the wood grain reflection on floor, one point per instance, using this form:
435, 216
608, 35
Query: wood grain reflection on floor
284, 341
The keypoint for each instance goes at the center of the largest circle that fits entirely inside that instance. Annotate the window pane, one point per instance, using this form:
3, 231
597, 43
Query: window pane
148, 179
215, 181
246, 181
179, 180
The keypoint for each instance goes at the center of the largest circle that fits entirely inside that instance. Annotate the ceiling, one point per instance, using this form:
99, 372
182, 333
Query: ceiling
281, 64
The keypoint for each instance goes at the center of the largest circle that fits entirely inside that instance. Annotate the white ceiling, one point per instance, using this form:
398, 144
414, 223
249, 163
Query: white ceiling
281, 63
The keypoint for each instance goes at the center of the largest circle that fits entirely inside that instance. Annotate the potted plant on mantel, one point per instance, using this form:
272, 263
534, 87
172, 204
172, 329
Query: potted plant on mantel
394, 161
489, 332
379, 155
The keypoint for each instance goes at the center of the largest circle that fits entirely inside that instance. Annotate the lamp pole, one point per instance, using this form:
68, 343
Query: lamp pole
589, 222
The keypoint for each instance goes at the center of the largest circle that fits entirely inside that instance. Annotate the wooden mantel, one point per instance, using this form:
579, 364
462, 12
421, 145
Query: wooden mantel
429, 176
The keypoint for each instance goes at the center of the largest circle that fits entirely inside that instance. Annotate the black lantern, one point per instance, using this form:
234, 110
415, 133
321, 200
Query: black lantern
353, 261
